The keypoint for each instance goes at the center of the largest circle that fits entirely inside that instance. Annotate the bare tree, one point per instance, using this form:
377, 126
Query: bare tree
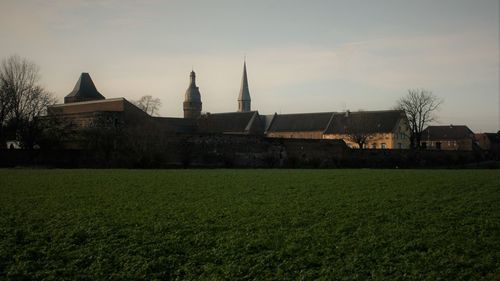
149, 104
420, 106
6, 101
24, 98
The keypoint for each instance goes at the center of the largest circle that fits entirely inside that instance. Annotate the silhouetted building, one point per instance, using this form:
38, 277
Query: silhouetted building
85, 107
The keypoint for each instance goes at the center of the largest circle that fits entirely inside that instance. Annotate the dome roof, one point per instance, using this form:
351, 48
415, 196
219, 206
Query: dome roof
192, 92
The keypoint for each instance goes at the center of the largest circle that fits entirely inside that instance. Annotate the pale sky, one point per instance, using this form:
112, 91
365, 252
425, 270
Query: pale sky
302, 56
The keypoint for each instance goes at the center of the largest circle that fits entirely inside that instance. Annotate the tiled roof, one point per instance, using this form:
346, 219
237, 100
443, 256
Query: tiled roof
449, 132
300, 122
383, 121
232, 122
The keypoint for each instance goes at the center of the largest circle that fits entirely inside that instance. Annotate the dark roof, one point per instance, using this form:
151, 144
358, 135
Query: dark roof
176, 125
192, 92
266, 120
300, 122
231, 122
449, 132
383, 121
84, 90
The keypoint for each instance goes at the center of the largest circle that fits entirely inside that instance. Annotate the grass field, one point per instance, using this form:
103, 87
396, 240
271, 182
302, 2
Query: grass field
249, 225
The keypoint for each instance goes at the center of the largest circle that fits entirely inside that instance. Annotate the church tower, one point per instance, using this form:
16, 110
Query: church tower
192, 100
244, 97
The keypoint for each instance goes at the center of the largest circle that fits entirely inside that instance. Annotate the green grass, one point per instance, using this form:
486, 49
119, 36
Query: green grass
249, 225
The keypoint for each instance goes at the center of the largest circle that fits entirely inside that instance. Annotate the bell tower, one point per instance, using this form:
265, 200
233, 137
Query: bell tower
192, 99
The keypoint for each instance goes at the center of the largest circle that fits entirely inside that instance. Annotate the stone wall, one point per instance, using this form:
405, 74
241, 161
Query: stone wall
232, 151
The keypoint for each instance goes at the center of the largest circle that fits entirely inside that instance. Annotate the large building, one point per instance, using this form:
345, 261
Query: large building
85, 107
386, 129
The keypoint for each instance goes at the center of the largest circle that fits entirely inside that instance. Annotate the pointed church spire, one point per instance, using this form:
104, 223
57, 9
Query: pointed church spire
244, 101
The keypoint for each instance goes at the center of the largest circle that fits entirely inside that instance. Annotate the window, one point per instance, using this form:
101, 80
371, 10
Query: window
400, 146
383, 146
374, 146
438, 145
424, 145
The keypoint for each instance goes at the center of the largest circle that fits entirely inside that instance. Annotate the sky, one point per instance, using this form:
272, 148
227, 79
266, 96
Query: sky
302, 56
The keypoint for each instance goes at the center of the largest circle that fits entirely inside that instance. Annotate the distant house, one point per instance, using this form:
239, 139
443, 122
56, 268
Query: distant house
451, 137
300, 125
385, 129
489, 142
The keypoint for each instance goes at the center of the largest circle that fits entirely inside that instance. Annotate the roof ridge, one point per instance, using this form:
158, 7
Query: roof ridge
233, 112
249, 125
303, 113
87, 102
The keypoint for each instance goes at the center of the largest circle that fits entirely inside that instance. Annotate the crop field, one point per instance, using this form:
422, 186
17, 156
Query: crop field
249, 224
